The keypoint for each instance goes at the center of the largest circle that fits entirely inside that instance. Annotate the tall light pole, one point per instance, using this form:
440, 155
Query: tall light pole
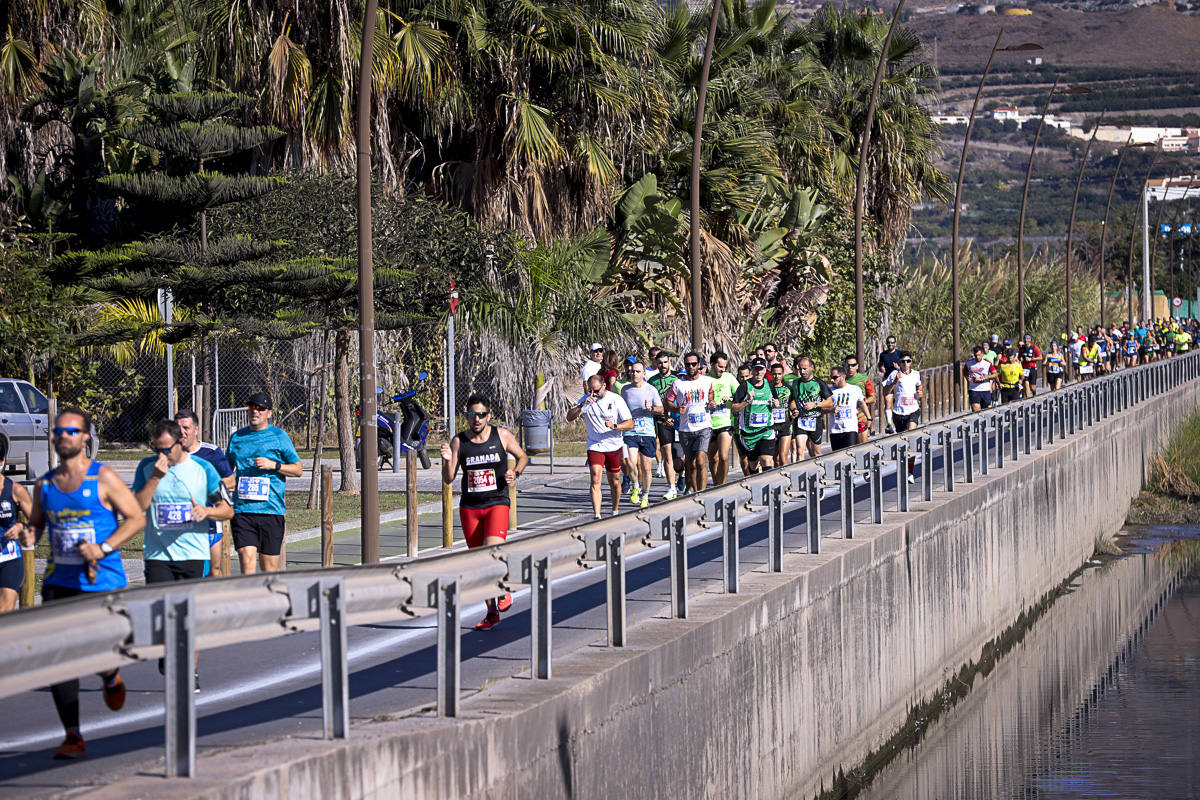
366, 302
1025, 197
962, 165
697, 132
860, 185
1143, 208
1112, 185
1071, 224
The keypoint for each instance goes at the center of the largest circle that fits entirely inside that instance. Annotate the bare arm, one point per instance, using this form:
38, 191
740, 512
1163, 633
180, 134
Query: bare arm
449, 460
220, 512
514, 449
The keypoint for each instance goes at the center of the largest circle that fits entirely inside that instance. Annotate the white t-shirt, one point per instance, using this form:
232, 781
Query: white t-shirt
845, 409
692, 399
905, 398
600, 437
589, 369
977, 372
640, 400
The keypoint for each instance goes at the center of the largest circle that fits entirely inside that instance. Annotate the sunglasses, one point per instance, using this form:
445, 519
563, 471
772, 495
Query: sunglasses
477, 414
851, 363
906, 361
253, 407
691, 363
61, 431
165, 450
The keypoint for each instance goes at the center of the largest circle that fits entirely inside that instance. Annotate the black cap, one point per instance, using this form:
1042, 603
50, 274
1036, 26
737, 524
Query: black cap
260, 399
758, 362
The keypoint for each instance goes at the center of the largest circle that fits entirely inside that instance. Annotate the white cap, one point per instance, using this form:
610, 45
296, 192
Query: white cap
596, 346
995, 338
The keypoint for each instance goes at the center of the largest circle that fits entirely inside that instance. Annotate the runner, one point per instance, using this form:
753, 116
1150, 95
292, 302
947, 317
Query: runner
15, 503
592, 365
1056, 366
979, 373
904, 400
888, 362
753, 403
189, 429
664, 426
781, 415
810, 422
1089, 358
263, 458
1031, 357
1010, 376
1073, 351
692, 399
724, 385
771, 351
644, 405
1131, 347
79, 502
743, 375
182, 494
606, 417
483, 450
866, 425
628, 471
844, 400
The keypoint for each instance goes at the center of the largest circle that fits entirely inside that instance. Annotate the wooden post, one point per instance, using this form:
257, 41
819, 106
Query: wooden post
326, 516
226, 546
410, 501
447, 516
512, 499
27, 593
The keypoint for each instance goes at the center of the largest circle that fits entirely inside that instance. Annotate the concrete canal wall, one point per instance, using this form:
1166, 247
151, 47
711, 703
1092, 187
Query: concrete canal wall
767, 693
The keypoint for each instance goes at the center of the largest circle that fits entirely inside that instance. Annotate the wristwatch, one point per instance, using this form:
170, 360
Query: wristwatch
106, 548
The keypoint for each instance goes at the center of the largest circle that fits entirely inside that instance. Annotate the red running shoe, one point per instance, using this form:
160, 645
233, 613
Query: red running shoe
504, 603
114, 693
488, 622
72, 747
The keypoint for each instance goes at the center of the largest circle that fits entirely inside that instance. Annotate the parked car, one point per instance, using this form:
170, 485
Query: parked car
23, 429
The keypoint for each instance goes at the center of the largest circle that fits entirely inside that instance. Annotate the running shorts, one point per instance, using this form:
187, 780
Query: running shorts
12, 574
694, 442
817, 435
783, 430
646, 445
983, 398
758, 446
159, 571
261, 531
610, 460
665, 432
901, 421
1008, 395
480, 523
839, 441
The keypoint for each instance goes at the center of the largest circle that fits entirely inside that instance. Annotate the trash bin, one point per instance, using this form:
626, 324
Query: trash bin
536, 430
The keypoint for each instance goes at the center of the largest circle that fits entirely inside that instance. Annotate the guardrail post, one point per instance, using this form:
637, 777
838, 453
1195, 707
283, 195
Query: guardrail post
449, 649
679, 567
1010, 420
998, 427
179, 640
729, 538
964, 433
335, 686
536, 573
1039, 422
812, 509
845, 476
1069, 407
981, 433
946, 440
1026, 427
614, 562
775, 528
900, 456
876, 478
925, 445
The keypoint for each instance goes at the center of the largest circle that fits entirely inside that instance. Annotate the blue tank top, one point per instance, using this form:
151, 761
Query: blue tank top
74, 517
9, 549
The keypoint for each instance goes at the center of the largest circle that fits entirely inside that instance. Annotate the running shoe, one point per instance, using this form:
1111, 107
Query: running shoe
504, 603
624, 484
72, 747
636, 496
488, 622
614, 513
660, 471
645, 501
671, 494
595, 517
114, 693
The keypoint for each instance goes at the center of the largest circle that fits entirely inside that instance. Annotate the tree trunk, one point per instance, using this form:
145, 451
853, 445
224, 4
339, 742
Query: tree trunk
314, 486
345, 417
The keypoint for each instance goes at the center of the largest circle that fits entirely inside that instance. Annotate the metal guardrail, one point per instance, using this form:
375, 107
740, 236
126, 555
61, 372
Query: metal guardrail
67, 639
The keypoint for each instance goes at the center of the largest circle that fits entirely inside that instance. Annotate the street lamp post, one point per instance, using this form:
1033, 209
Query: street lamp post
860, 189
697, 132
1071, 224
962, 164
1107, 208
1143, 208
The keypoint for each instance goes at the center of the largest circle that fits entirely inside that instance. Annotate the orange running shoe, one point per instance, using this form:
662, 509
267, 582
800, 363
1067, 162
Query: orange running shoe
72, 747
114, 693
504, 603
488, 622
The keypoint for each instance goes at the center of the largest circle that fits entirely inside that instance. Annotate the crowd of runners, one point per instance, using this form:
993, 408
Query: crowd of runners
679, 419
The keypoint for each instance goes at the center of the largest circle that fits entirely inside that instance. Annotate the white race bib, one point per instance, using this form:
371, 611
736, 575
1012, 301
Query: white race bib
759, 418
9, 550
778, 416
807, 423
907, 405
67, 539
1085, 369
173, 515
696, 419
643, 426
481, 480
1026, 372
256, 488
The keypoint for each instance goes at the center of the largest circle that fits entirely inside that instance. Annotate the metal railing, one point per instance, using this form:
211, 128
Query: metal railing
172, 621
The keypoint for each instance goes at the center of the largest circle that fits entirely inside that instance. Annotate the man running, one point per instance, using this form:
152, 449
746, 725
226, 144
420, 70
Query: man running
644, 405
1031, 357
606, 417
263, 457
889, 359
483, 450
979, 373
664, 424
15, 503
845, 400
1089, 358
80, 501
189, 431
1010, 376
866, 425
182, 494
724, 385
808, 391
692, 398
753, 403
781, 415
904, 399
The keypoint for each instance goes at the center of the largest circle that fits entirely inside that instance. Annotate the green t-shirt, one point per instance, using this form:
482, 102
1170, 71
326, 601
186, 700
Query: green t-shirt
661, 383
723, 389
755, 419
809, 391
783, 392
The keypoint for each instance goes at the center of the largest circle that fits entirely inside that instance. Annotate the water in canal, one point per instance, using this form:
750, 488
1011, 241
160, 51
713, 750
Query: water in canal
1099, 697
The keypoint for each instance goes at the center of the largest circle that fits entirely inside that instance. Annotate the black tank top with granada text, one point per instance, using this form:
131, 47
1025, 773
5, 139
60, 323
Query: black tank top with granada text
483, 465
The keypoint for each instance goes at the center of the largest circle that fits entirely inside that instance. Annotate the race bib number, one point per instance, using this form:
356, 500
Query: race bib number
696, 419
67, 540
778, 416
1026, 372
1085, 369
907, 405
173, 515
256, 488
9, 550
1055, 370
844, 414
807, 423
760, 418
643, 426
481, 480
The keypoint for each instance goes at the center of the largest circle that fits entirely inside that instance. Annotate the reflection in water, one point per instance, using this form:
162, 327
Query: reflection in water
1100, 699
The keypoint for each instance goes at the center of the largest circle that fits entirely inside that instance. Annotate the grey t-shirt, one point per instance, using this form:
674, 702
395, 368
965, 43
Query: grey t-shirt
638, 398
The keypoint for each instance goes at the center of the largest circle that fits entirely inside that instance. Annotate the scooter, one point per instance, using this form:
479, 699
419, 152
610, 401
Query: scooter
413, 422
